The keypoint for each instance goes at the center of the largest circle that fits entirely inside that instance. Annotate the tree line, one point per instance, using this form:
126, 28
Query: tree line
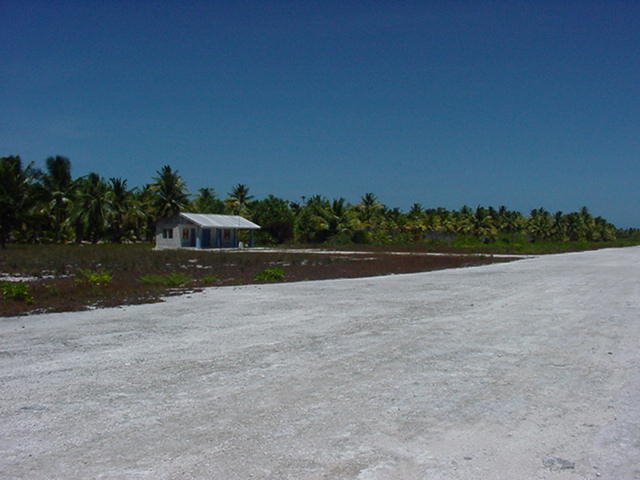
40, 206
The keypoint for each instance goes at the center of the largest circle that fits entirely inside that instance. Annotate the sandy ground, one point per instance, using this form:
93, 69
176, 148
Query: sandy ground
524, 370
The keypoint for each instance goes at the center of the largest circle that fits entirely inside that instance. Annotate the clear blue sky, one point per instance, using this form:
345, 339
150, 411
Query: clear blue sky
526, 104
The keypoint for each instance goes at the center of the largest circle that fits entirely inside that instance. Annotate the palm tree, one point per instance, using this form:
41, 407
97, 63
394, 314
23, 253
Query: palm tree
592, 230
339, 221
313, 220
502, 220
207, 202
606, 230
369, 207
559, 228
414, 223
16, 185
144, 218
485, 227
91, 207
464, 221
170, 193
238, 200
58, 186
540, 224
415, 211
576, 229
121, 208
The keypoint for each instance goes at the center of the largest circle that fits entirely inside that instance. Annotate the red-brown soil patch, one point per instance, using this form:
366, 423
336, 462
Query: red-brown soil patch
68, 291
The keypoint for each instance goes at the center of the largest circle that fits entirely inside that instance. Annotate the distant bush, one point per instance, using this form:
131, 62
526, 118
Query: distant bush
173, 279
16, 291
273, 274
96, 278
52, 290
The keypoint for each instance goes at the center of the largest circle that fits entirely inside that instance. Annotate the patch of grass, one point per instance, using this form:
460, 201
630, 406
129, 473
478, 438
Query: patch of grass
96, 278
516, 244
173, 279
273, 274
18, 291
209, 279
52, 290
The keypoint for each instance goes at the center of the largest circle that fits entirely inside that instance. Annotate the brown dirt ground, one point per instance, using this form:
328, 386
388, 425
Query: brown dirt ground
69, 292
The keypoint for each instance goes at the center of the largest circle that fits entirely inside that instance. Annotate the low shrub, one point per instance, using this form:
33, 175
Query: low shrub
96, 278
209, 279
273, 274
16, 291
52, 290
173, 279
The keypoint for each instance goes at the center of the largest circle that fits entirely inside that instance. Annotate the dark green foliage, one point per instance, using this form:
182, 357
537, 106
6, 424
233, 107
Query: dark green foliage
237, 203
209, 279
16, 291
17, 194
314, 220
91, 208
629, 234
58, 187
122, 210
170, 193
53, 207
276, 218
207, 202
95, 278
272, 274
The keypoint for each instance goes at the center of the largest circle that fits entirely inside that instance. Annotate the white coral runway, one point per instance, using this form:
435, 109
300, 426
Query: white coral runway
523, 370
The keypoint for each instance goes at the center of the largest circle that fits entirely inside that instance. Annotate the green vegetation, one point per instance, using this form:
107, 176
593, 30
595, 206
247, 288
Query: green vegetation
209, 279
19, 291
171, 280
272, 274
95, 278
51, 206
522, 246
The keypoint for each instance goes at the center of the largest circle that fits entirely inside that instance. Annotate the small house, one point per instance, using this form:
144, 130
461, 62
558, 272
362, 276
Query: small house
202, 230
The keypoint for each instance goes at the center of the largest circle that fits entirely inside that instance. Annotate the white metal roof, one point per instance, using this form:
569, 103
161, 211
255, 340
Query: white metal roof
220, 221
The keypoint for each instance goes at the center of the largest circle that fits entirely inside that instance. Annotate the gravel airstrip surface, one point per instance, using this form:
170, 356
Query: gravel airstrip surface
523, 370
